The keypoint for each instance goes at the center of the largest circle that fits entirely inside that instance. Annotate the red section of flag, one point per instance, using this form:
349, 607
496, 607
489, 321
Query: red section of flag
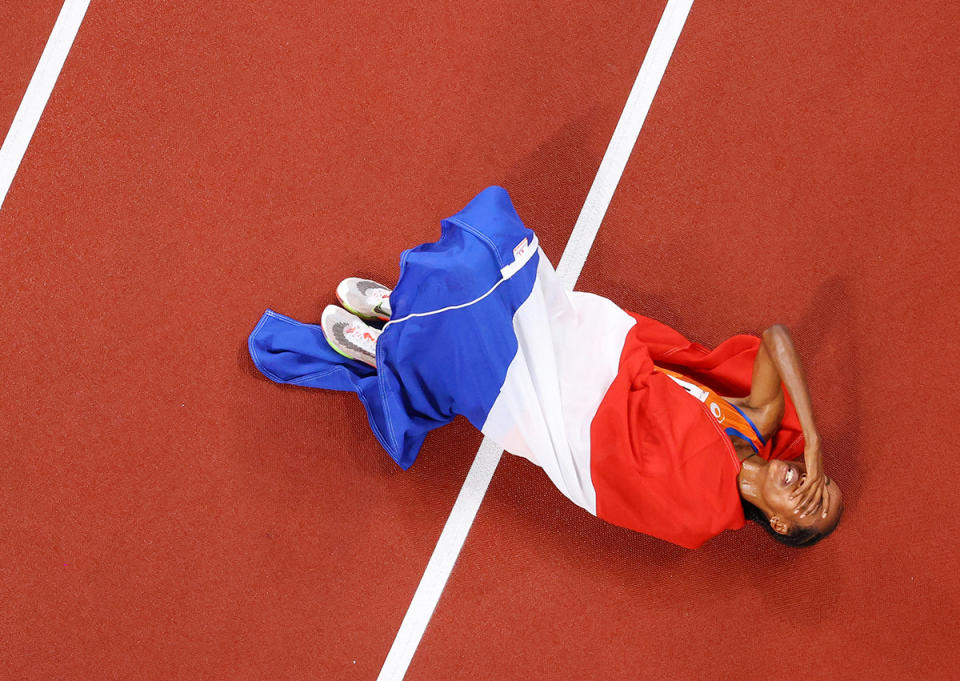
660, 462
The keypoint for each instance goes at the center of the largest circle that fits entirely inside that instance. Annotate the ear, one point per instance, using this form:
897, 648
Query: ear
779, 525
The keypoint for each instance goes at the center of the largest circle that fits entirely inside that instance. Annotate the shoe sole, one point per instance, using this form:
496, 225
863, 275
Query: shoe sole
341, 352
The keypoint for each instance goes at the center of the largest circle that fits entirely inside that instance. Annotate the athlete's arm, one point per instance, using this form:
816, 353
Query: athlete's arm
777, 361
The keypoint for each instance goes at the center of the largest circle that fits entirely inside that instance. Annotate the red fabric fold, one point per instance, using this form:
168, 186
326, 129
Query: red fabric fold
660, 462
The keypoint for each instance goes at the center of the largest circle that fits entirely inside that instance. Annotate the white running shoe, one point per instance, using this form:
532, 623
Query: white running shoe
349, 335
364, 298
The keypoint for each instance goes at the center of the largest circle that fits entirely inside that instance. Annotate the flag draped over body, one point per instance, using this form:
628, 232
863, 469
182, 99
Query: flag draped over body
482, 327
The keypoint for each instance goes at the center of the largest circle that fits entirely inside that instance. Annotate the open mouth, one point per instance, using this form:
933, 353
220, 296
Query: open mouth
790, 476
793, 476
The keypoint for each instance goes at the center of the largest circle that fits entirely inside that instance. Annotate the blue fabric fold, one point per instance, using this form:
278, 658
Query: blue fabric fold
432, 368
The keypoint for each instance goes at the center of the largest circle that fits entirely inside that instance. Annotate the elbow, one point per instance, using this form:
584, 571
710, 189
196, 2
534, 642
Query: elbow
776, 330
777, 337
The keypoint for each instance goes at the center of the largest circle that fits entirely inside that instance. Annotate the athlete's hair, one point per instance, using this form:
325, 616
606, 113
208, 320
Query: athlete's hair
797, 536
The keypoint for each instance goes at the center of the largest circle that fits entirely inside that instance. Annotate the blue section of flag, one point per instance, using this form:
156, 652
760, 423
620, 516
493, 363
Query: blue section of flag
430, 368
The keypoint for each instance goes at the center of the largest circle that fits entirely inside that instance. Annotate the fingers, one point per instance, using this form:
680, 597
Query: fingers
802, 498
804, 504
813, 501
801, 489
808, 496
804, 490
799, 497
816, 501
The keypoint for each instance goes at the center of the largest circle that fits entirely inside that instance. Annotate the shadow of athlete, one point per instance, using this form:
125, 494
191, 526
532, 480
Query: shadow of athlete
629, 419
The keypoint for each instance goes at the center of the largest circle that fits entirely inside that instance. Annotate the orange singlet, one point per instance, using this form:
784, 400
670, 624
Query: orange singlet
734, 422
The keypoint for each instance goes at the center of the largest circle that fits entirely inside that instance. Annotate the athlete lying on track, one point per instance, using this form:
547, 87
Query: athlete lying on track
630, 420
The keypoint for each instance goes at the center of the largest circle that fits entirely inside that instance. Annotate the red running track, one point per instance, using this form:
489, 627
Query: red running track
169, 514
24, 29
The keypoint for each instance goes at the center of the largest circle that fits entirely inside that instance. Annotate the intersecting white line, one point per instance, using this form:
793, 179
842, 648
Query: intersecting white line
478, 479
38, 91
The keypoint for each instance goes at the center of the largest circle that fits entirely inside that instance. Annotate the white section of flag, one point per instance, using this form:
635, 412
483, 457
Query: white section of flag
569, 347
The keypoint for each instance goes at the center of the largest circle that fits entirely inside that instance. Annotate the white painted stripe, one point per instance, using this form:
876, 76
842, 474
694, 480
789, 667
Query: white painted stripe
440, 566
624, 137
38, 91
474, 488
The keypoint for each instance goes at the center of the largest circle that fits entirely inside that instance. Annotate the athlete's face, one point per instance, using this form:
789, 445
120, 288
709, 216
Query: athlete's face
781, 479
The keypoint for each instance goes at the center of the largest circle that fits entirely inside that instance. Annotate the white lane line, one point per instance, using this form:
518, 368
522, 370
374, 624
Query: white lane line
478, 479
38, 91
445, 554
624, 137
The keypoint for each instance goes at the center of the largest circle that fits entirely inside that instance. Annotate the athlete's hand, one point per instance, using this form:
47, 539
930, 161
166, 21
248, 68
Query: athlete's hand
811, 496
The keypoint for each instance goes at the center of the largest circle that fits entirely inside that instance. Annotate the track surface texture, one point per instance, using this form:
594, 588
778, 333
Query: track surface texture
24, 29
170, 514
